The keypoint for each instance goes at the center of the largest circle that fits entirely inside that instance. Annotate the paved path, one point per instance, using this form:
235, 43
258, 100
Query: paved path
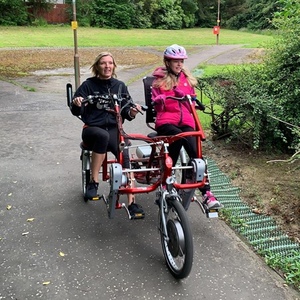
54, 246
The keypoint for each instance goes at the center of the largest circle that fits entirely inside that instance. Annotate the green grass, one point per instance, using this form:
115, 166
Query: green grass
63, 36
209, 70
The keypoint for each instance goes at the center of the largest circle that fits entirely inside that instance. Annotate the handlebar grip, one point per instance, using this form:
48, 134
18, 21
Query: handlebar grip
144, 107
200, 105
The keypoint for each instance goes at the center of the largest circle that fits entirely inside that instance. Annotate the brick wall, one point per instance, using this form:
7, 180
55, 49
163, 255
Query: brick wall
57, 15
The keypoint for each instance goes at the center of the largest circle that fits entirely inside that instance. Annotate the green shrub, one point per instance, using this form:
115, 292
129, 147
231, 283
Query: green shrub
260, 102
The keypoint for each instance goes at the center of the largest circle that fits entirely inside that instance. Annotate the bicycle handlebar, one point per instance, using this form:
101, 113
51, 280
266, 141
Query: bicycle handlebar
200, 105
110, 99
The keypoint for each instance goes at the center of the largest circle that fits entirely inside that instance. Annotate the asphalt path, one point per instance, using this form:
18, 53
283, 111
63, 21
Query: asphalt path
55, 246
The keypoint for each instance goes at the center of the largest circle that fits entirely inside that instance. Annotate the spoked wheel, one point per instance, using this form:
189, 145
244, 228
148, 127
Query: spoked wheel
85, 171
178, 249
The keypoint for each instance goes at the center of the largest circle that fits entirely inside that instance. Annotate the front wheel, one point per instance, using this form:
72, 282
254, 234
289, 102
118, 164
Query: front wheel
178, 244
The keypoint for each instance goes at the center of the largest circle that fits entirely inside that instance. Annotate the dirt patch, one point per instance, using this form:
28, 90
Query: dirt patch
22, 62
269, 188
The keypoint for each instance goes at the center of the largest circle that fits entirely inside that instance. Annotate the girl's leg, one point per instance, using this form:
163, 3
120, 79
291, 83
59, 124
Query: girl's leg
174, 148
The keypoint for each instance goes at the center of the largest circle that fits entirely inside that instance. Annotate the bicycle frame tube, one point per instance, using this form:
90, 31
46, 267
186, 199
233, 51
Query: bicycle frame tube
165, 167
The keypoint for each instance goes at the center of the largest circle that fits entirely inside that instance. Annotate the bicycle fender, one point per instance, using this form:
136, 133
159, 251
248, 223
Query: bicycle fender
115, 182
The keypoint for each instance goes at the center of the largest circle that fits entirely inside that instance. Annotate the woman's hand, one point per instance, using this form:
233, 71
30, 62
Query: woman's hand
77, 101
134, 110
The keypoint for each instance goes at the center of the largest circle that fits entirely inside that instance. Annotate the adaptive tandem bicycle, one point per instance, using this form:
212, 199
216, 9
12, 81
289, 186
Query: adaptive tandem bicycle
151, 170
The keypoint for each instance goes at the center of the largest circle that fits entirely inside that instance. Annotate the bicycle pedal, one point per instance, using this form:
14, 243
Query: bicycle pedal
137, 216
96, 198
212, 213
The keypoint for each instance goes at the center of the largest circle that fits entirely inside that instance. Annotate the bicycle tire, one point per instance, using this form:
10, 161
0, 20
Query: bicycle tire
85, 172
178, 251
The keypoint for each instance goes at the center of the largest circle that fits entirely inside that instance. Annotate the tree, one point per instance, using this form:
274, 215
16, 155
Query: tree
167, 14
13, 12
142, 15
190, 9
260, 101
254, 15
112, 14
206, 15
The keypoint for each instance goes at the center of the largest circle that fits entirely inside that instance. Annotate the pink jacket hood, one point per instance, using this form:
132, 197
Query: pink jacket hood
160, 72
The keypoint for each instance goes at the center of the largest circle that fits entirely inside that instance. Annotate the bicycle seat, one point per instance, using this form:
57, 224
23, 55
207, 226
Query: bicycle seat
84, 146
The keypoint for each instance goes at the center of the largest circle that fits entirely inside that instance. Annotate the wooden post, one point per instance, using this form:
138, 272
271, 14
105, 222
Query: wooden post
76, 55
218, 21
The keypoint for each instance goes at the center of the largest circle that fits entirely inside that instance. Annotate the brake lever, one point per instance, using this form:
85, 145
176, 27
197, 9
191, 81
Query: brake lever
144, 108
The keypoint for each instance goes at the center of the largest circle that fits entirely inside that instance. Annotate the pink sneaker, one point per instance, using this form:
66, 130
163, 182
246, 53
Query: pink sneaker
210, 201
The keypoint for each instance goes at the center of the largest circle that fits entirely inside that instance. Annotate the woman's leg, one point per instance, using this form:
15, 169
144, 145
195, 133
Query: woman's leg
97, 139
97, 161
113, 147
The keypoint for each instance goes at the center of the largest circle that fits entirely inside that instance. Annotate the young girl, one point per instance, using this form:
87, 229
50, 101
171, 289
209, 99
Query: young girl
172, 116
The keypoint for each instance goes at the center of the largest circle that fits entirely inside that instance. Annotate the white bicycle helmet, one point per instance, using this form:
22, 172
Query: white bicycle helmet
175, 52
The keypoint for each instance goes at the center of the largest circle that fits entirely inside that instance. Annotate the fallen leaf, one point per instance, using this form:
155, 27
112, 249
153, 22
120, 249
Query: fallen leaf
256, 211
30, 219
25, 233
8, 207
46, 282
61, 253
9, 194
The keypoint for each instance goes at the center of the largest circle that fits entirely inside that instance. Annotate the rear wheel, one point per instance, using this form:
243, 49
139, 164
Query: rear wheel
85, 171
178, 248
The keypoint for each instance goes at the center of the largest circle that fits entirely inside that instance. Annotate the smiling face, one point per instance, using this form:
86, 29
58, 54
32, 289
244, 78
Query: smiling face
106, 67
175, 65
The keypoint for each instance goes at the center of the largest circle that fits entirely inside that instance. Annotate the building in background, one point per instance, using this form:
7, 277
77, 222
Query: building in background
57, 14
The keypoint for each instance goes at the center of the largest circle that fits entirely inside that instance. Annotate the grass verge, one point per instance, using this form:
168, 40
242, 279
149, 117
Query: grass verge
62, 36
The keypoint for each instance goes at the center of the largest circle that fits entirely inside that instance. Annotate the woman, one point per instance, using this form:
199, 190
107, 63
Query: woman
100, 127
172, 116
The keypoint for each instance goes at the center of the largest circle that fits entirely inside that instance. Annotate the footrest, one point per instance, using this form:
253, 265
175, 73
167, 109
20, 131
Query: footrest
135, 216
96, 198
210, 213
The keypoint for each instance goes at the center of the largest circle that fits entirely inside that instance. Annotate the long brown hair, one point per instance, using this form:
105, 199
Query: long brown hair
95, 65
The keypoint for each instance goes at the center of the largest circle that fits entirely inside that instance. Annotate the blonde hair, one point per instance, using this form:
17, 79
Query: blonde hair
95, 65
169, 80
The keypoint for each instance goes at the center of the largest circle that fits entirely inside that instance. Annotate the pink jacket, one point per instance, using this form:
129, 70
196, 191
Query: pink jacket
172, 111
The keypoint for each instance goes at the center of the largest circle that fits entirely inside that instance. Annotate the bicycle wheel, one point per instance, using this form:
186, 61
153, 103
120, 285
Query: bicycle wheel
85, 171
178, 249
